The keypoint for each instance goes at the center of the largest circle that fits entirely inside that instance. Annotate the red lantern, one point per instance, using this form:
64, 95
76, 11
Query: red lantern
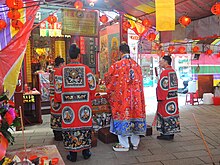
216, 9
2, 24
104, 19
151, 37
209, 52
14, 14
127, 24
146, 22
181, 49
195, 49
184, 20
51, 19
14, 4
171, 49
78, 5
218, 55
17, 24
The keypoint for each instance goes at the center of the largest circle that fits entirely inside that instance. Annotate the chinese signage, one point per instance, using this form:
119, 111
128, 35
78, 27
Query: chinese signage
77, 22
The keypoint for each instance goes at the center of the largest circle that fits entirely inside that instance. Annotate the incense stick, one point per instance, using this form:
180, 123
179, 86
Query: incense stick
22, 128
203, 139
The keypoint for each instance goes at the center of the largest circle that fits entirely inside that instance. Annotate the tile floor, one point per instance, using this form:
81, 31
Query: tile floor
186, 149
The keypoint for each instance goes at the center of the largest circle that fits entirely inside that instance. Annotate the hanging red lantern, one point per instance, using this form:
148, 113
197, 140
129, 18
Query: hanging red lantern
195, 49
104, 19
171, 49
78, 5
127, 24
151, 36
184, 20
2, 24
216, 9
181, 49
146, 22
51, 19
14, 4
17, 24
14, 14
218, 55
209, 52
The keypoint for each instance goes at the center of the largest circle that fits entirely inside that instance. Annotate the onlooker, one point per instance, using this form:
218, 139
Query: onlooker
167, 109
74, 89
124, 83
55, 108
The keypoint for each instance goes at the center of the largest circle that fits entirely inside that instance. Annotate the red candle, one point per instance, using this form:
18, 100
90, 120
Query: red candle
43, 158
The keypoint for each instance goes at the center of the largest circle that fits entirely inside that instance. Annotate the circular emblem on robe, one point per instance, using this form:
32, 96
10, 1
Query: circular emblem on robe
164, 83
85, 114
68, 115
171, 107
55, 106
92, 81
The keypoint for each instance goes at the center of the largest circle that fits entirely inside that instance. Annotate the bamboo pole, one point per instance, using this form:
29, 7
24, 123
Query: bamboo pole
203, 139
22, 128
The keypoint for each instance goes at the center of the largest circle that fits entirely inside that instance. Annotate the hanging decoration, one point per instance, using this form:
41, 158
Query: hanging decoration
184, 20
92, 2
14, 14
151, 36
78, 4
51, 19
216, 9
17, 24
14, 4
209, 52
126, 25
103, 19
171, 49
195, 49
146, 23
2, 24
181, 50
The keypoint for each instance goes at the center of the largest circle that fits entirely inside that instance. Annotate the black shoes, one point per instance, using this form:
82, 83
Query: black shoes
72, 156
86, 154
165, 137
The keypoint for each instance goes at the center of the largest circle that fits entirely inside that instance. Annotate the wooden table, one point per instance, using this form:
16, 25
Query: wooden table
50, 151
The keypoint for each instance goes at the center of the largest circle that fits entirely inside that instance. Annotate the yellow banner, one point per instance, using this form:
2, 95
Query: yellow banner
165, 15
60, 49
78, 22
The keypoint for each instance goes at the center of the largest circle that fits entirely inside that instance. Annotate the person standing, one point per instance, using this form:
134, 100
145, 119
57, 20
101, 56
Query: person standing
55, 107
77, 87
124, 84
167, 98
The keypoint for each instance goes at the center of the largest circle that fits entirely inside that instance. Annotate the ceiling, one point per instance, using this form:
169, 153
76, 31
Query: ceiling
141, 9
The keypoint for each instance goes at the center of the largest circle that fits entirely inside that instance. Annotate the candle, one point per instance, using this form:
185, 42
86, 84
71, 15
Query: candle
43, 158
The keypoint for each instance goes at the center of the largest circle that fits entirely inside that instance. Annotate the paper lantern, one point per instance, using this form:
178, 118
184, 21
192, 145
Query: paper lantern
195, 49
216, 9
171, 49
78, 5
14, 4
181, 49
17, 24
51, 19
104, 19
151, 36
209, 52
14, 14
2, 25
184, 20
146, 22
127, 24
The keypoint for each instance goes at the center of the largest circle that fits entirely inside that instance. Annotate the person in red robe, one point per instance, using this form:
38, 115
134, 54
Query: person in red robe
124, 84
167, 108
55, 107
74, 89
